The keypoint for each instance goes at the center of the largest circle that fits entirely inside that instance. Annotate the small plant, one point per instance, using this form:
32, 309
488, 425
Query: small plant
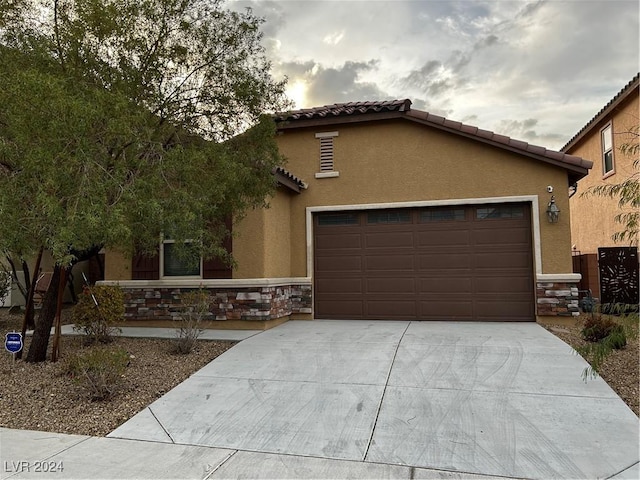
606, 335
97, 322
99, 371
195, 307
597, 328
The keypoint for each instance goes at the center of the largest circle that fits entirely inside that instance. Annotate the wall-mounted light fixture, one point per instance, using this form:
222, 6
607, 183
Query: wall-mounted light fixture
553, 212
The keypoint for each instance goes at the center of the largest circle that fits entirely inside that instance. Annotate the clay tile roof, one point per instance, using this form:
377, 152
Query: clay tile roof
604, 111
518, 144
340, 109
288, 179
501, 139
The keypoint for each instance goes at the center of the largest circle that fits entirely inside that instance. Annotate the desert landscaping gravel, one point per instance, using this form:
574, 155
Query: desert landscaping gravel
44, 396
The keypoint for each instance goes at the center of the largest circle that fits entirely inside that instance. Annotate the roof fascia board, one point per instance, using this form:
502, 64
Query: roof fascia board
287, 182
581, 171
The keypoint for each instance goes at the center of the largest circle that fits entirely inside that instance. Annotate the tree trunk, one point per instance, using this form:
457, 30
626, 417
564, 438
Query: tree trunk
42, 332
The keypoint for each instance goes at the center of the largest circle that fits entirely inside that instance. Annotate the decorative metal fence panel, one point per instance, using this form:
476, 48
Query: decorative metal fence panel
618, 275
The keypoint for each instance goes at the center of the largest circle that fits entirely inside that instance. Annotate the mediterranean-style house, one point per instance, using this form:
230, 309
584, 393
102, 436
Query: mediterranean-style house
385, 212
606, 266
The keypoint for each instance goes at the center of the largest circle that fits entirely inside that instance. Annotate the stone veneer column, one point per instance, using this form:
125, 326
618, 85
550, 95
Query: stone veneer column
557, 295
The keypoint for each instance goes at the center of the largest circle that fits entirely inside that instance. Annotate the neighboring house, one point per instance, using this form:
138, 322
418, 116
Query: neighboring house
384, 212
592, 217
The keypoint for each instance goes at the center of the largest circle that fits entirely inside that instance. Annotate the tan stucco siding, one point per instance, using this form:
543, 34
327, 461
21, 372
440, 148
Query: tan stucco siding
278, 236
117, 265
262, 242
592, 217
388, 162
249, 245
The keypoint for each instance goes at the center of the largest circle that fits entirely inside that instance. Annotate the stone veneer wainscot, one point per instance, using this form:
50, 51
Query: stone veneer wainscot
156, 300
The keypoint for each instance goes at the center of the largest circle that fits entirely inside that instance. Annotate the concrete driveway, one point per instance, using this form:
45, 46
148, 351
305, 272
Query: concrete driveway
454, 399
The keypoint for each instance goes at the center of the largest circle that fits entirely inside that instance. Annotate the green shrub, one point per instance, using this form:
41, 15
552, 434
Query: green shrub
98, 322
99, 371
606, 335
195, 307
597, 328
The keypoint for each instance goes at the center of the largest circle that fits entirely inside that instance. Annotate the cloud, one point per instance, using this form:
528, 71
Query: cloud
493, 63
333, 38
525, 130
327, 85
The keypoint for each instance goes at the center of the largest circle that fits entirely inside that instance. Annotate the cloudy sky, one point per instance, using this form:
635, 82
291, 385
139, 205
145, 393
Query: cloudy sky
533, 70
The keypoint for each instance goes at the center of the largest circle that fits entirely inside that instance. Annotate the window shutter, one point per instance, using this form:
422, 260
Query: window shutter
145, 267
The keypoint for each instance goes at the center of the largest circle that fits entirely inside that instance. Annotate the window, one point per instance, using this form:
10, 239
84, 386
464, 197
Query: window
442, 215
607, 150
402, 216
184, 262
338, 219
326, 166
500, 212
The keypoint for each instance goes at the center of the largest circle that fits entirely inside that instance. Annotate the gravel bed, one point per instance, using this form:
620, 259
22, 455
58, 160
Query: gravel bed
621, 369
44, 397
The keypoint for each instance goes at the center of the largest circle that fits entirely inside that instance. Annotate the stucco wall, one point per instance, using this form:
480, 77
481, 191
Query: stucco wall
398, 161
592, 218
117, 266
261, 240
249, 246
385, 162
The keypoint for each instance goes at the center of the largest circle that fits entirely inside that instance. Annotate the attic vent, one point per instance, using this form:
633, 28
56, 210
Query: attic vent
326, 150
326, 154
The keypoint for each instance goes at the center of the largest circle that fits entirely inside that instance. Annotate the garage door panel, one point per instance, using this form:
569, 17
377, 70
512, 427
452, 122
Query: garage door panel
391, 285
445, 309
506, 310
461, 284
400, 309
503, 285
388, 239
389, 263
444, 261
340, 285
498, 260
442, 238
340, 263
341, 309
339, 241
502, 236
469, 269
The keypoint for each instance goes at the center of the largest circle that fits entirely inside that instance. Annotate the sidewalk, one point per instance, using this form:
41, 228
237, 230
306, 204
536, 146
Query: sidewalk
159, 332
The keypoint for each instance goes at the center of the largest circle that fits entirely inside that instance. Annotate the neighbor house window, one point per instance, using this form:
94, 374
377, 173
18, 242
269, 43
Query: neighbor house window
326, 166
607, 149
179, 263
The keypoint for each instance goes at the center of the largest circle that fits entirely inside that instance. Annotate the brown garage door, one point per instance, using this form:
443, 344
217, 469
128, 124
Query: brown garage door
445, 263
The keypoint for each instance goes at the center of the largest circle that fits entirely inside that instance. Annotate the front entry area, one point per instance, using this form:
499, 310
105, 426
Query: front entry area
462, 263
